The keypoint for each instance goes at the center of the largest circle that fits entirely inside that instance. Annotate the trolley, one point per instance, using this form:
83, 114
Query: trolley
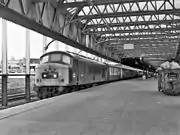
169, 81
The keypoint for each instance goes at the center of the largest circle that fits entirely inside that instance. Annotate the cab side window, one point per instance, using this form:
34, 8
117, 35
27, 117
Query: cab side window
66, 59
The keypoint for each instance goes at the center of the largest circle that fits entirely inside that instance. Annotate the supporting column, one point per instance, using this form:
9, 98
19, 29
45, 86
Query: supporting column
121, 72
44, 43
4, 63
178, 53
27, 79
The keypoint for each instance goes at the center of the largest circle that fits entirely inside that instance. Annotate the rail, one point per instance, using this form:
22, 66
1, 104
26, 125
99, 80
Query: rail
15, 97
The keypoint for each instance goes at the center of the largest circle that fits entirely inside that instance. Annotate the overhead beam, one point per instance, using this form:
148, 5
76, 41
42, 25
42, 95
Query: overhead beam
155, 50
100, 2
133, 30
146, 42
20, 19
132, 13
95, 26
139, 45
141, 36
139, 39
158, 48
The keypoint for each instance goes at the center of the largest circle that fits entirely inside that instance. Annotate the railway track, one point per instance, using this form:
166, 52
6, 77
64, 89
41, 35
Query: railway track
19, 96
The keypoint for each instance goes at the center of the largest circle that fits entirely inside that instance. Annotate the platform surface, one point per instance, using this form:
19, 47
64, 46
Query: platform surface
133, 107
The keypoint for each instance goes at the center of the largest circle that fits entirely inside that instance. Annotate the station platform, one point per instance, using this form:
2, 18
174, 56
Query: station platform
131, 107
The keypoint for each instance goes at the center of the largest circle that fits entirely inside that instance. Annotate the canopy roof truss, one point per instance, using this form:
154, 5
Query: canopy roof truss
153, 26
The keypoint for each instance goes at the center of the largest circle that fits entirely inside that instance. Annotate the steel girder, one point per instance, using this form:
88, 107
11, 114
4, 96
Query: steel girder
129, 20
44, 17
97, 2
131, 36
137, 39
127, 14
135, 23
135, 30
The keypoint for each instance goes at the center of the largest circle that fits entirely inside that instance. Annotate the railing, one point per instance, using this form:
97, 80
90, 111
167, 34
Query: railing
20, 96
5, 97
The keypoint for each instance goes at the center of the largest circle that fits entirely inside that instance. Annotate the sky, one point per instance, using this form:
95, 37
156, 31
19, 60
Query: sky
16, 41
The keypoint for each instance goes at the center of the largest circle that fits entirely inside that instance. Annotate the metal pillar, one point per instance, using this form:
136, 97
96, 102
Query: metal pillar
121, 72
44, 43
4, 63
178, 53
27, 79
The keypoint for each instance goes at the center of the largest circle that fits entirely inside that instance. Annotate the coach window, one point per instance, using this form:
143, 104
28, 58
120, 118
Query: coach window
66, 59
45, 59
55, 57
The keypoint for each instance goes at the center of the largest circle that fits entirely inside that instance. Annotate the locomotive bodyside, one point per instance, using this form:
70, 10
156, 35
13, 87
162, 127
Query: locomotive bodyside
114, 72
90, 72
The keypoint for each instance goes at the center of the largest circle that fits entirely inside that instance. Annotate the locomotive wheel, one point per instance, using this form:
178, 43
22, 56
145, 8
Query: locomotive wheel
39, 94
44, 93
51, 94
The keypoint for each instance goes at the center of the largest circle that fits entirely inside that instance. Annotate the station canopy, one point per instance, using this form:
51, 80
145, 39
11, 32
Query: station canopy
132, 28
129, 28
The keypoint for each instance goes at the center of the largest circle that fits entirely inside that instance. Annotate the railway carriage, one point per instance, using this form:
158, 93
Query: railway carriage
114, 72
59, 72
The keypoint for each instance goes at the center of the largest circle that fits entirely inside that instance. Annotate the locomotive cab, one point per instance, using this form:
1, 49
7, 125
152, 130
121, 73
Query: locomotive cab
52, 74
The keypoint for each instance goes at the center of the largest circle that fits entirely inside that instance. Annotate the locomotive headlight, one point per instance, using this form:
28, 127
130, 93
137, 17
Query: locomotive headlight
55, 75
44, 75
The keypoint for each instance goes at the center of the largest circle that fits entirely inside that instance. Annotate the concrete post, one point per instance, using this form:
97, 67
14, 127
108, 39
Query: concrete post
27, 79
4, 63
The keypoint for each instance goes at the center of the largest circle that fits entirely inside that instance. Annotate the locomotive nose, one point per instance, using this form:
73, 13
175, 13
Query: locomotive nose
49, 72
49, 75
52, 74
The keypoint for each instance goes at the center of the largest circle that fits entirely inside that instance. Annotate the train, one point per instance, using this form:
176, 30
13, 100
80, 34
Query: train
60, 72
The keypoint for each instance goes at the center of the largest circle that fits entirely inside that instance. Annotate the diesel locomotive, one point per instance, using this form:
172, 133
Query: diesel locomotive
60, 71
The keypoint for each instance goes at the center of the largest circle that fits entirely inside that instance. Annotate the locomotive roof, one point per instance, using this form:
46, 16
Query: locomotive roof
52, 52
85, 58
72, 54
